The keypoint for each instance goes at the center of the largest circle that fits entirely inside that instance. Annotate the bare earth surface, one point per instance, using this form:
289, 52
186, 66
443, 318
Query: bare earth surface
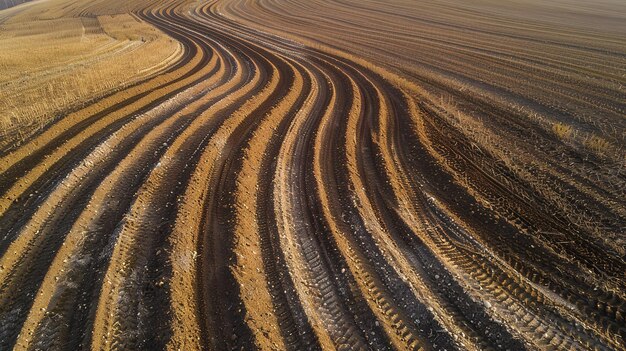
351, 175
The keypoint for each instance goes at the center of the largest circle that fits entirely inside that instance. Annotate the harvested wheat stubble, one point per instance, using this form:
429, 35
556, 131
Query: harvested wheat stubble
326, 174
52, 66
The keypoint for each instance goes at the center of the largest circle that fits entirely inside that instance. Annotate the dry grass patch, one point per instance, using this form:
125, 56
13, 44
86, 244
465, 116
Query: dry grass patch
48, 67
563, 131
597, 144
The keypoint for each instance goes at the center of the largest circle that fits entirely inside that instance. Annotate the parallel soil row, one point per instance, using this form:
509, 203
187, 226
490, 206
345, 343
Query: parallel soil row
318, 175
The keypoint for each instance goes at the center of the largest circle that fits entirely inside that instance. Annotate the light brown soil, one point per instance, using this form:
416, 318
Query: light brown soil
329, 175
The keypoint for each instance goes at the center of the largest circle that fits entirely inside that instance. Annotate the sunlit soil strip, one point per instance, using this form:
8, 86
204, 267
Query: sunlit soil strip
186, 234
402, 333
288, 243
422, 290
59, 290
125, 274
249, 269
34, 235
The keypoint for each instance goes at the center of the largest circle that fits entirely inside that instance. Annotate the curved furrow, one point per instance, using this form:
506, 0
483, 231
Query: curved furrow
508, 287
296, 328
263, 337
387, 152
366, 235
138, 241
46, 228
216, 267
330, 174
331, 300
533, 219
371, 180
566, 288
349, 232
249, 267
186, 238
311, 272
244, 267
245, 129
81, 249
404, 332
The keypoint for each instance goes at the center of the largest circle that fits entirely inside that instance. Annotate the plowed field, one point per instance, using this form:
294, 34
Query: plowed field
337, 174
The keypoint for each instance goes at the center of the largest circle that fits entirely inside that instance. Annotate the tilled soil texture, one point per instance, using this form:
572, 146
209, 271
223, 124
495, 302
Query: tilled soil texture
333, 175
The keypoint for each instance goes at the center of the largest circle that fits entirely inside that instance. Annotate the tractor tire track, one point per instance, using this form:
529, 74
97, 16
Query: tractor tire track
329, 175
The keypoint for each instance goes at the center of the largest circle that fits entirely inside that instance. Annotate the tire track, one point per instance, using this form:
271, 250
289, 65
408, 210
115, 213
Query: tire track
328, 175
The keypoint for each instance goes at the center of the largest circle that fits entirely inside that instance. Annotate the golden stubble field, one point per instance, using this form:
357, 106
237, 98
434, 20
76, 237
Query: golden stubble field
283, 174
53, 61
